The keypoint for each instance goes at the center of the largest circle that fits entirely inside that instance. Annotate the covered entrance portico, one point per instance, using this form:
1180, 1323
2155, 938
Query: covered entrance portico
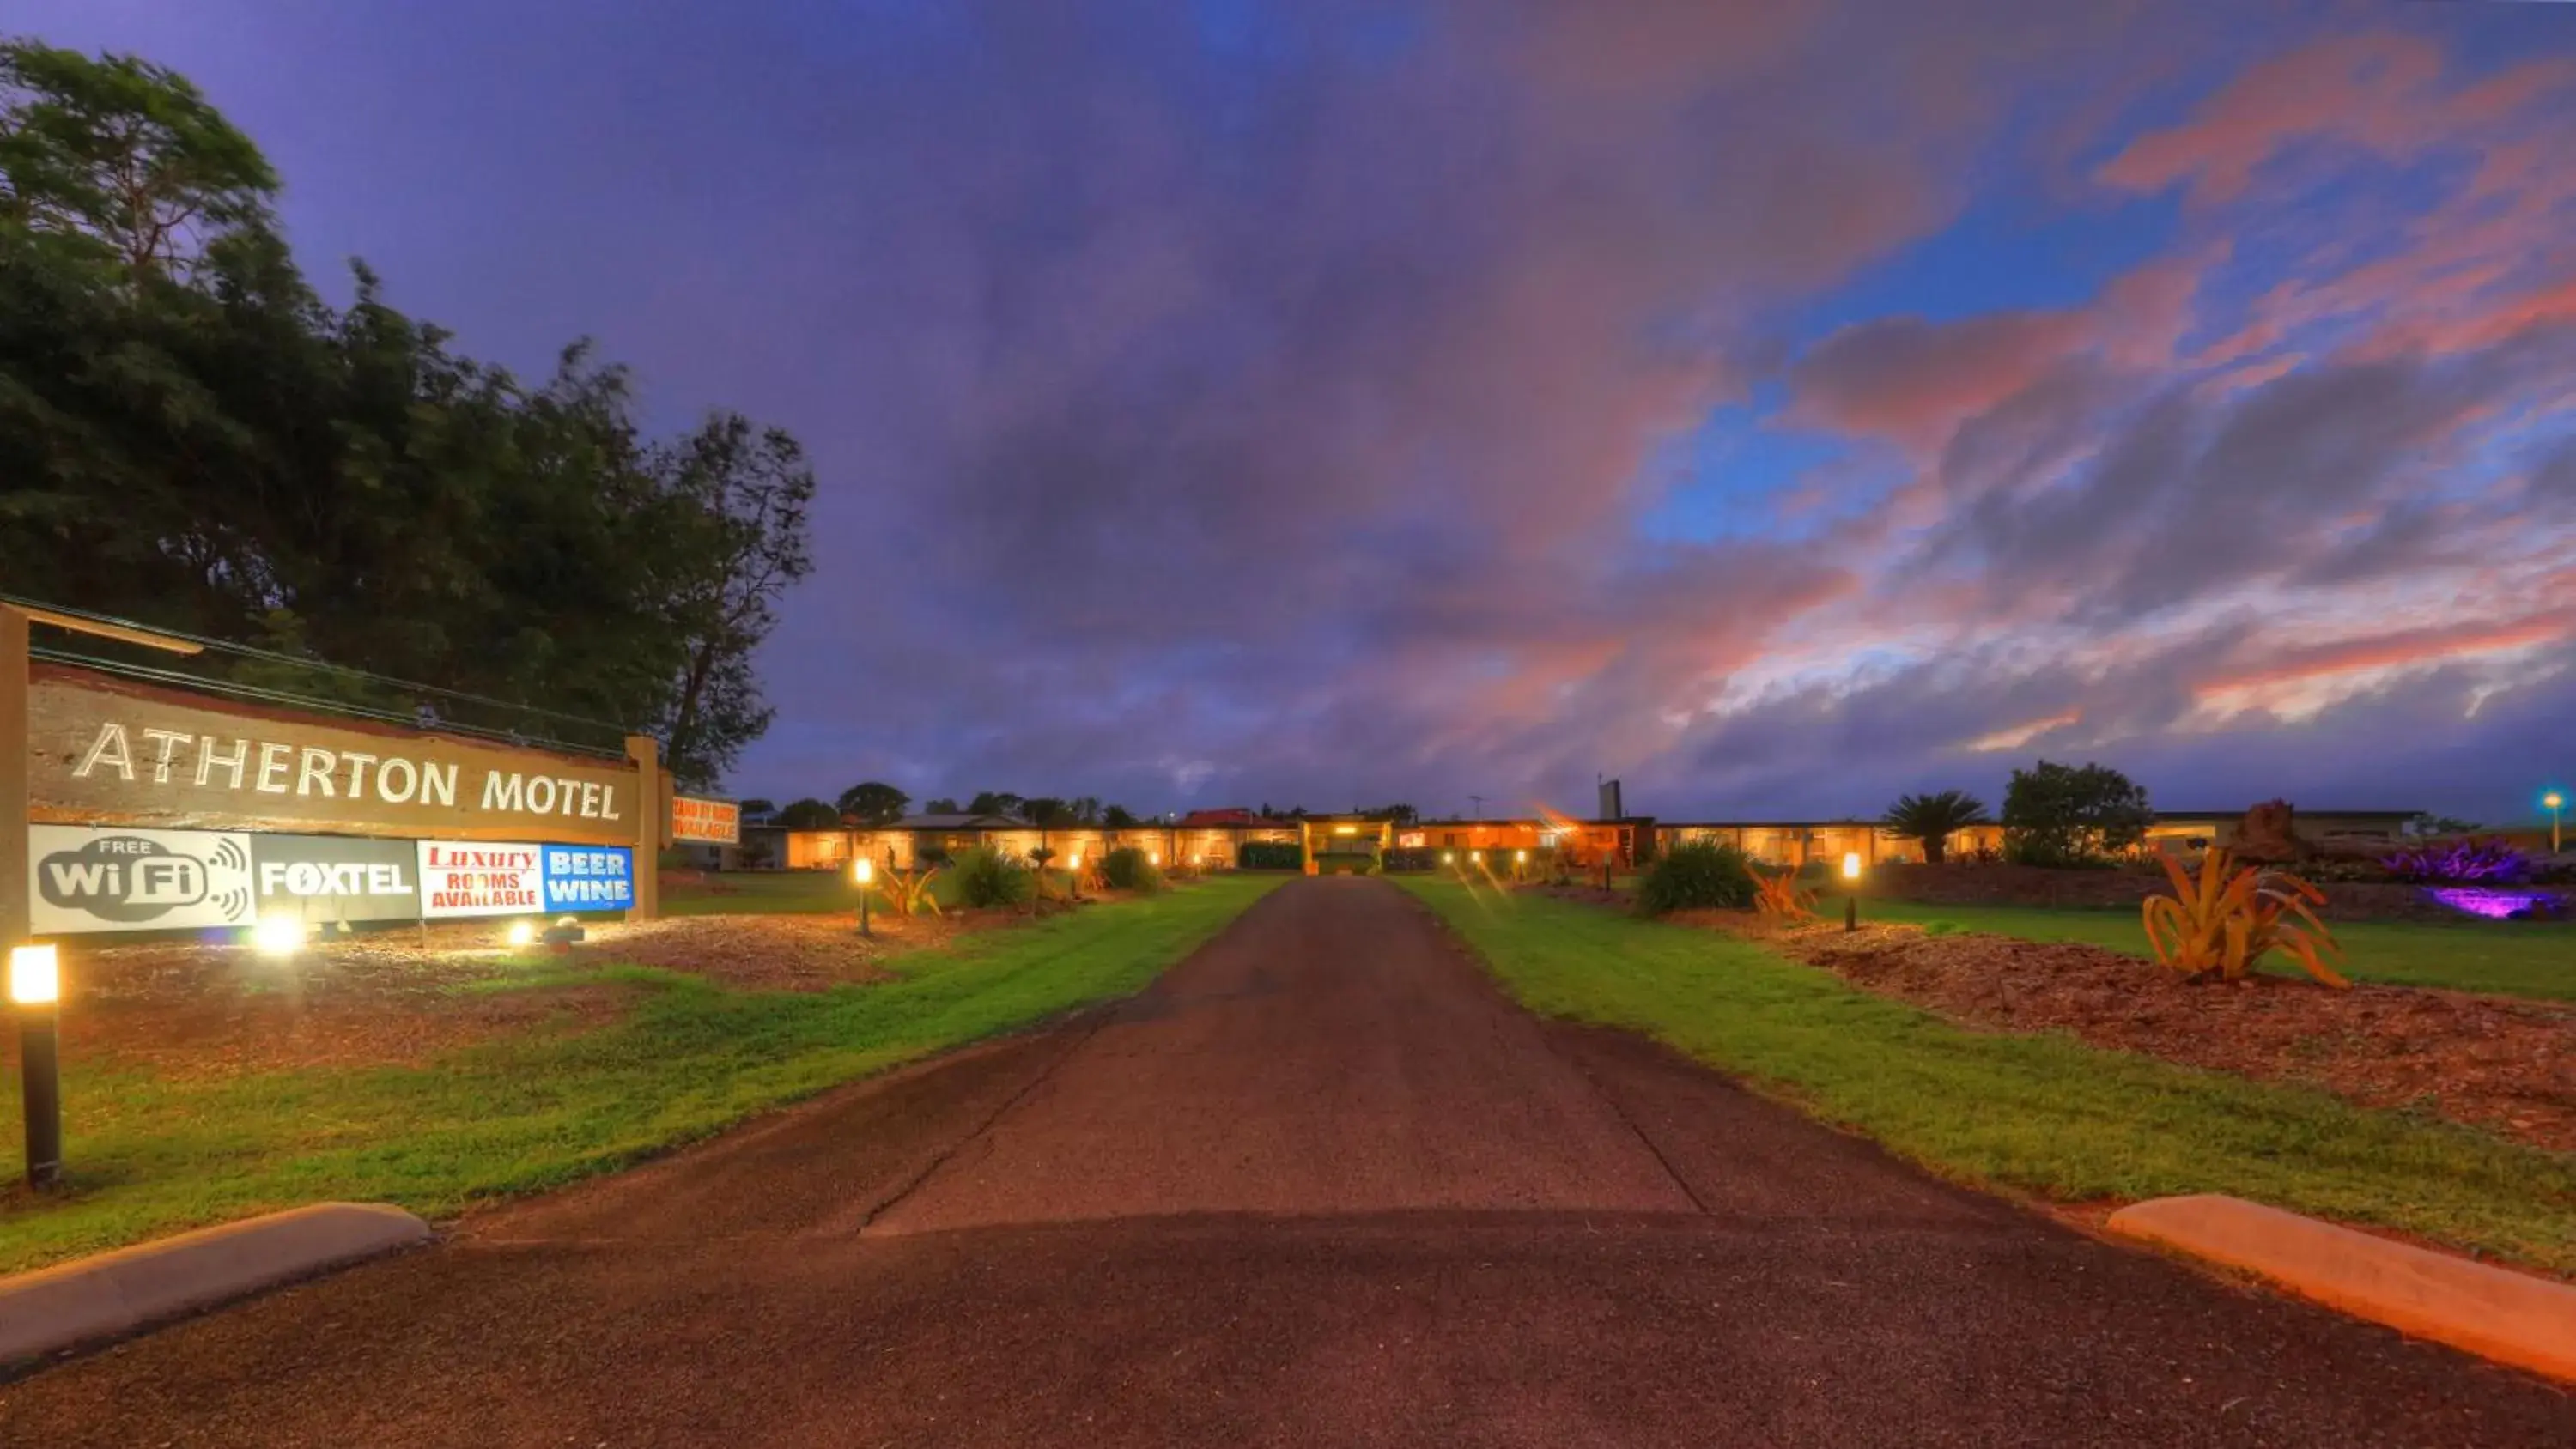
1339, 844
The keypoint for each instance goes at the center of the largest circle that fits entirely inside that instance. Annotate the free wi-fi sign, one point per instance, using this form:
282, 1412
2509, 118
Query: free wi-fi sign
108, 880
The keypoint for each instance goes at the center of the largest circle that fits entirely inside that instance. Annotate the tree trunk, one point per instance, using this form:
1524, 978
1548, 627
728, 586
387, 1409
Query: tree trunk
1935, 847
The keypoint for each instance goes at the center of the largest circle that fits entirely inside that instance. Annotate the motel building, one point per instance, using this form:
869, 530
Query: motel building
1214, 839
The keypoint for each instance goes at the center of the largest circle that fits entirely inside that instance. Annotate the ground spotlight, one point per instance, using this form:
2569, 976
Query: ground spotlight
523, 933
277, 935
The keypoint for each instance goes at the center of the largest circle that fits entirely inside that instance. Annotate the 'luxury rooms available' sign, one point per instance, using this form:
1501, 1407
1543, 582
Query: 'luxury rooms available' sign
109, 751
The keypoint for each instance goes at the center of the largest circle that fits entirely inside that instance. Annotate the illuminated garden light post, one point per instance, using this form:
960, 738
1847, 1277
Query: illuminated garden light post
1074, 874
35, 990
2553, 800
863, 873
1851, 890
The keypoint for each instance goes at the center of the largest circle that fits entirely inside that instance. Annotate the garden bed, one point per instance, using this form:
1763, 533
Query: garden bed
2506, 1065
2029, 885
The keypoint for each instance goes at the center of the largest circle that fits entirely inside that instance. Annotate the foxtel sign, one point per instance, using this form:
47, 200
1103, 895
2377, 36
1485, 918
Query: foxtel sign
109, 751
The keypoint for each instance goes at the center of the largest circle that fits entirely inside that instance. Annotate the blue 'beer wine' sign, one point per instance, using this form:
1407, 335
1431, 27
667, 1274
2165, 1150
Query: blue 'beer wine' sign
589, 878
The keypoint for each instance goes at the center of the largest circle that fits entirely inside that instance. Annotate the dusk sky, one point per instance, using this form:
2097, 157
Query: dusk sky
1777, 403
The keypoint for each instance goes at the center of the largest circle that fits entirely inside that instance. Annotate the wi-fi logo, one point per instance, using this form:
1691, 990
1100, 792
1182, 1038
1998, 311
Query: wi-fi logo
230, 855
234, 903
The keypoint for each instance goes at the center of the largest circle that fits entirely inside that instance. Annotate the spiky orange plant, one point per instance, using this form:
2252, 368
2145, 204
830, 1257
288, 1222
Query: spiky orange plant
2225, 920
907, 893
1781, 895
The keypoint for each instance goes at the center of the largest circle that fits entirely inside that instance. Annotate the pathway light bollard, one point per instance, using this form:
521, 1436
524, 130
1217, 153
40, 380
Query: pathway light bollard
1851, 890
1074, 874
2555, 802
863, 874
35, 993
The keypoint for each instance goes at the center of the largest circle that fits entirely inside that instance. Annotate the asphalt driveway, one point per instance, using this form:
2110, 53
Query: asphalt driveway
1321, 1185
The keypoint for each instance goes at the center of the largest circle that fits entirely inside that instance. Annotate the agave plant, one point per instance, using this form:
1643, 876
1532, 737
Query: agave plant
1781, 895
2229, 917
907, 893
1933, 819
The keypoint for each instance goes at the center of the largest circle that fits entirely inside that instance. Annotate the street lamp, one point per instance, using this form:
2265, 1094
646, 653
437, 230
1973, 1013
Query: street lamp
1851, 890
2553, 800
863, 873
36, 989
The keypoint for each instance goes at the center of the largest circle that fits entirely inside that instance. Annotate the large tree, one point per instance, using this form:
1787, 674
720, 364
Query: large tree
995, 802
126, 154
2069, 815
190, 437
875, 802
1934, 818
808, 814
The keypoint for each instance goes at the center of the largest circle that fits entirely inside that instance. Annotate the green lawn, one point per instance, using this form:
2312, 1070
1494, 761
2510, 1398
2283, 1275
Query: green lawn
2513, 958
147, 1156
2040, 1113
774, 893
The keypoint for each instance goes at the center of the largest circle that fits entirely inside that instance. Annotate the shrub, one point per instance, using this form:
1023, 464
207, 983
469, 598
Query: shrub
1410, 858
986, 877
2491, 860
1700, 875
2227, 919
1271, 855
1128, 869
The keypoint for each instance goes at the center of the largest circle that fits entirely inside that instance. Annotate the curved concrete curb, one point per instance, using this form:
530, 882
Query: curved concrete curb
118, 1292
2510, 1317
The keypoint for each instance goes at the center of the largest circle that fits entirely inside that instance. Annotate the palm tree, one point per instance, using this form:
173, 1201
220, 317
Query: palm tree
1932, 818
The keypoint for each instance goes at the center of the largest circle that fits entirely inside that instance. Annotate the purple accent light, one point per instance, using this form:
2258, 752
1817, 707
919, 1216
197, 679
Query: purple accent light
2493, 904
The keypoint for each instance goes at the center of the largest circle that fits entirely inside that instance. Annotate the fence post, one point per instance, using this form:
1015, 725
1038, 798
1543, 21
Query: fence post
16, 910
652, 824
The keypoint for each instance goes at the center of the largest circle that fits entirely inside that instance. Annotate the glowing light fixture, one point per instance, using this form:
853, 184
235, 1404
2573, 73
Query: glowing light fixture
1851, 898
35, 976
2553, 800
863, 870
1346, 830
1519, 855
1153, 857
277, 935
35, 985
523, 933
1476, 855
1448, 857
1851, 865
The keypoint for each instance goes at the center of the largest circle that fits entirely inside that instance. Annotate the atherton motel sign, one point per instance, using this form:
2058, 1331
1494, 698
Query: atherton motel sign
157, 807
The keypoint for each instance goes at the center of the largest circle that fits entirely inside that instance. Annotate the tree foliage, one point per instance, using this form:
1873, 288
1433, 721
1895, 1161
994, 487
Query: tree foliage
1118, 817
991, 802
1933, 819
874, 802
808, 814
193, 438
2062, 815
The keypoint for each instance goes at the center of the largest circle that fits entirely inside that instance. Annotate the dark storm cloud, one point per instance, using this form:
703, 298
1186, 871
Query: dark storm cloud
1263, 400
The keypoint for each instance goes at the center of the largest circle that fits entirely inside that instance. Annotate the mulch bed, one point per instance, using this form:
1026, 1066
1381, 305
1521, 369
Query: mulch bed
2024, 885
2501, 1063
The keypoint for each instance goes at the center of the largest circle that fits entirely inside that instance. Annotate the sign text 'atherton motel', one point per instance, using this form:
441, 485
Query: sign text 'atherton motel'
276, 767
